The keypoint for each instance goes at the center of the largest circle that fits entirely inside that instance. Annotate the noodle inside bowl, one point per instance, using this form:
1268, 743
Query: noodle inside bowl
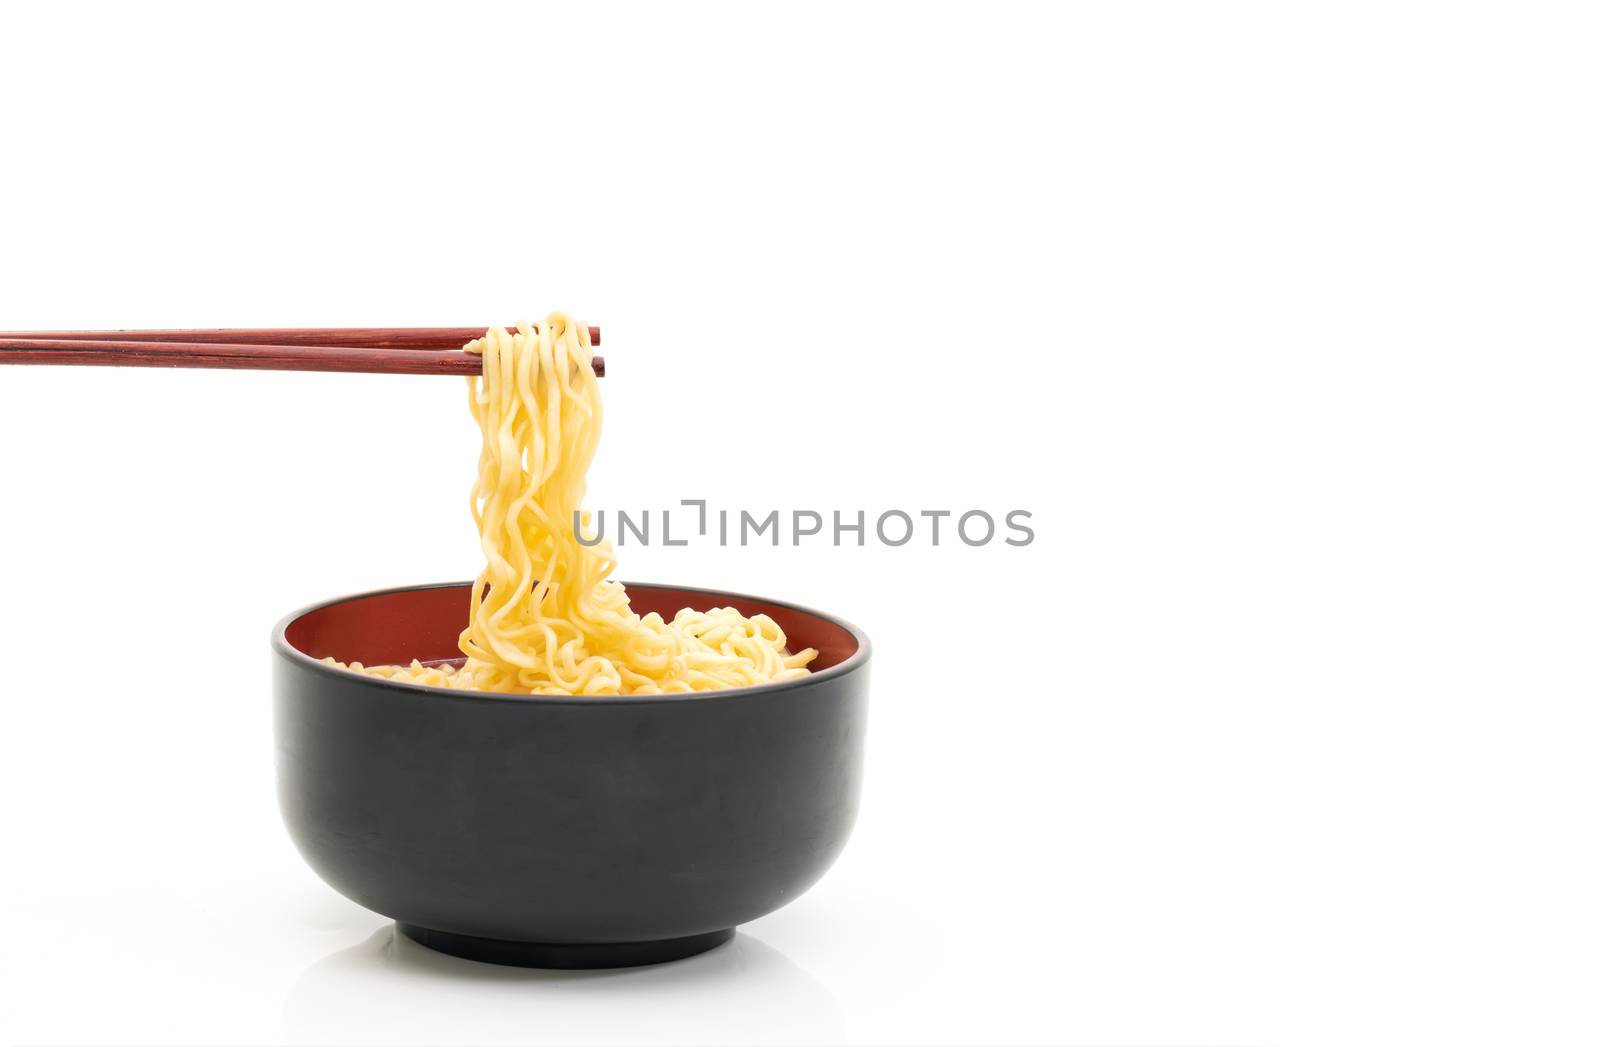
562, 831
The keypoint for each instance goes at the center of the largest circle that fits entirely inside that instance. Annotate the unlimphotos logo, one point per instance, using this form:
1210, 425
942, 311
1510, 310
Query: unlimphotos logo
891, 527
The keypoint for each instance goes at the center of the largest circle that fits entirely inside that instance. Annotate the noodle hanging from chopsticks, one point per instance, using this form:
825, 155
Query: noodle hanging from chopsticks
545, 619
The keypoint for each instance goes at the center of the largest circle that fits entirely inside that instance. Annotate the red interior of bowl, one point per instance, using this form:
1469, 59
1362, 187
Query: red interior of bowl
393, 628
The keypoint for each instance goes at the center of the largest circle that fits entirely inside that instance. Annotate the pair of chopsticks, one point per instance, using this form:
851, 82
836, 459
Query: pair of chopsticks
367, 350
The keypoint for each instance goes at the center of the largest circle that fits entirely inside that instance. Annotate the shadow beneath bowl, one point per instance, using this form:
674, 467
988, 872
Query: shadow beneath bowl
389, 989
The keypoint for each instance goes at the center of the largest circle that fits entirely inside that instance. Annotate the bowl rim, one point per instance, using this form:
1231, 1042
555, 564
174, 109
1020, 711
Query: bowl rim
863, 653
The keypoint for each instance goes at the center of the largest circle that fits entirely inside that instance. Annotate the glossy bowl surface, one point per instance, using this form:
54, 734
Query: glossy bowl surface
557, 831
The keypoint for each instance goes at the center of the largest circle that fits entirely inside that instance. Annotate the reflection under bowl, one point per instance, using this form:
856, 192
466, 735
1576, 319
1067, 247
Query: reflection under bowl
556, 831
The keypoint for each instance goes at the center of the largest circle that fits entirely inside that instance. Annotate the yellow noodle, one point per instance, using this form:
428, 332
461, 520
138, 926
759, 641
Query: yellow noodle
545, 618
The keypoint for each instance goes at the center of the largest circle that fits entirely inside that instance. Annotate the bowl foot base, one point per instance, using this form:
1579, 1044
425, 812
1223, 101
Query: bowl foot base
564, 957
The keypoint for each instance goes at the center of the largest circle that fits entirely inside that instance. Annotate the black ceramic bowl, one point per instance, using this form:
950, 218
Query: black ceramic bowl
554, 831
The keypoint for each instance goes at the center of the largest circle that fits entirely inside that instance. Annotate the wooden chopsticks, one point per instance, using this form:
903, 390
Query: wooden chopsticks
353, 337
369, 350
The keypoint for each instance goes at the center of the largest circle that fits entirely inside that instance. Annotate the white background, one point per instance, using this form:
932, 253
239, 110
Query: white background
1280, 319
